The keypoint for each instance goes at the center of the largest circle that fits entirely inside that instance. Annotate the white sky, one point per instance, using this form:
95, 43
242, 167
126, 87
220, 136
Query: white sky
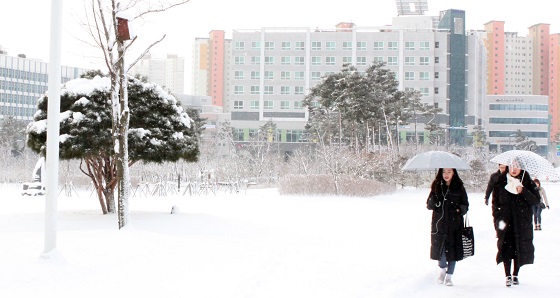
25, 24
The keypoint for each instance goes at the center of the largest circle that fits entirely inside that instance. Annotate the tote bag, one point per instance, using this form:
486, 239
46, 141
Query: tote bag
467, 234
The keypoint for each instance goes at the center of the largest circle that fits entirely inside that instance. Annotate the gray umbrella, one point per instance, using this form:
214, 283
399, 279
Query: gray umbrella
536, 165
430, 160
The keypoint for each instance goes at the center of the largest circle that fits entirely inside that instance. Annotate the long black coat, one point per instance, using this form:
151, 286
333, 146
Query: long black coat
492, 185
447, 222
515, 211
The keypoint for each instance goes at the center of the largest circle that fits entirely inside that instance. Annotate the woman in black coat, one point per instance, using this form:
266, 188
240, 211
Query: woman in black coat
512, 214
449, 202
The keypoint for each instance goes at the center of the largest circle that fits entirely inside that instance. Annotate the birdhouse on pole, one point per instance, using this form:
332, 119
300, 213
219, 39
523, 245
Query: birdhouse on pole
122, 29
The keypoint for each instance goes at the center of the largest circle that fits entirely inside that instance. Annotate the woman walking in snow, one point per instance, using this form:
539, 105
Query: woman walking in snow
512, 212
537, 209
449, 202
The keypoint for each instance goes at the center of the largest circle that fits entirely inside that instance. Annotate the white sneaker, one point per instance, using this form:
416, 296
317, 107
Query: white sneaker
441, 276
448, 281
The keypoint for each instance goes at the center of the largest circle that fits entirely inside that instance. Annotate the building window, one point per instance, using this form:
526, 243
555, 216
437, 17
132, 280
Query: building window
315, 60
424, 76
285, 60
436, 75
393, 61
424, 46
285, 90
268, 89
284, 105
378, 45
255, 75
424, 61
409, 45
436, 59
268, 105
330, 45
238, 134
409, 76
347, 45
298, 105
286, 46
361, 46
238, 75
256, 60
436, 90
255, 89
240, 45
238, 105
269, 60
299, 75
360, 60
409, 61
254, 105
346, 60
315, 45
315, 75
269, 45
298, 90
293, 135
255, 45
300, 45
238, 90
436, 44
269, 75
425, 91
393, 46
299, 61
330, 60
285, 75
378, 59
239, 60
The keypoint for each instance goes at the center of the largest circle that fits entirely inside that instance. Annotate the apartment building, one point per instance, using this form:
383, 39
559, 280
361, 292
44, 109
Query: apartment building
167, 72
270, 70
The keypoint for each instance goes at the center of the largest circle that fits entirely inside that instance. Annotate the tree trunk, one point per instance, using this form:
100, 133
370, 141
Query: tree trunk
123, 174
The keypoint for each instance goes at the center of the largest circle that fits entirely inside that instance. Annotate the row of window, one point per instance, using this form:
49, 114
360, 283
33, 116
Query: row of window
288, 135
332, 45
508, 134
17, 98
518, 107
518, 120
22, 74
331, 60
269, 104
22, 87
17, 111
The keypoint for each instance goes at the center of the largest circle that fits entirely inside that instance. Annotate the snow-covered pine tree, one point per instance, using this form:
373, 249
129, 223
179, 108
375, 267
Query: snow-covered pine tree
160, 130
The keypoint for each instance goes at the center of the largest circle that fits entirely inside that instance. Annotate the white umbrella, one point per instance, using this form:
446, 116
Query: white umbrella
534, 164
431, 160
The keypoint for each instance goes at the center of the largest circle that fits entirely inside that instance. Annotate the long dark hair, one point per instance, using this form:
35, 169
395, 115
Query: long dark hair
438, 183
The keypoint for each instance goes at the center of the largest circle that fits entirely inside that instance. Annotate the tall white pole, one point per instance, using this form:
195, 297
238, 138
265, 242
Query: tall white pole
53, 127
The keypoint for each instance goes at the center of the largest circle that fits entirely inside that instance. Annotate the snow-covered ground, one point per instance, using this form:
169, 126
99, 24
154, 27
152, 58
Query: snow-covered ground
256, 244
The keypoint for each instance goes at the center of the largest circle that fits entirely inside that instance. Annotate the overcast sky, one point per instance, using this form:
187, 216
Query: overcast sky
25, 24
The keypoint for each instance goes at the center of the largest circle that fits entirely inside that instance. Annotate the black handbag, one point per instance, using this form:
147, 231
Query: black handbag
542, 205
467, 235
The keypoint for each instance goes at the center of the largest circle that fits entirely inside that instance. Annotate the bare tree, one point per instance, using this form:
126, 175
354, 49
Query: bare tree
107, 24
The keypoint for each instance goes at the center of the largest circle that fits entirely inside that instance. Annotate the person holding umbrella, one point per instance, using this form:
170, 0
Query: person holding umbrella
512, 213
448, 201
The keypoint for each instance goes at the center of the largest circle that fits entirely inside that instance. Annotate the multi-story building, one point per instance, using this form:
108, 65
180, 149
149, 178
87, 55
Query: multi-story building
506, 114
167, 72
270, 70
23, 81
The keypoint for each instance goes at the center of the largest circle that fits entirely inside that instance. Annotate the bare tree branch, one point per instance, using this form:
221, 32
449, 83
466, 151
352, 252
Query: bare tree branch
145, 52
